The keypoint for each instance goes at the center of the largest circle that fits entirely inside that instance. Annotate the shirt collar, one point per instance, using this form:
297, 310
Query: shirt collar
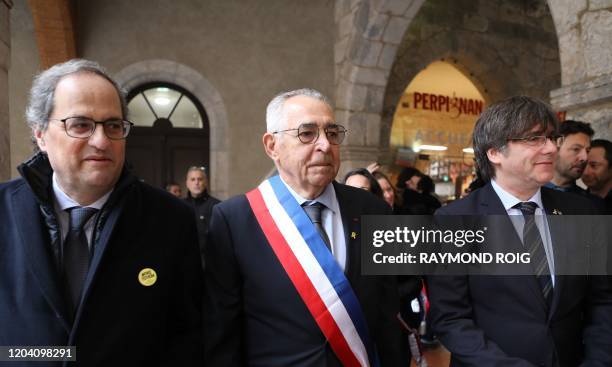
509, 201
327, 197
66, 202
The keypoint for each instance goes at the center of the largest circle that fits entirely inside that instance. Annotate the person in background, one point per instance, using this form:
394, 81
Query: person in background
174, 189
429, 203
407, 182
387, 188
201, 202
572, 156
363, 179
598, 173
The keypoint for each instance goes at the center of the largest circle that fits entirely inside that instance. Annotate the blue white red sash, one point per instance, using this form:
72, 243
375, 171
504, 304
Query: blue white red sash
313, 271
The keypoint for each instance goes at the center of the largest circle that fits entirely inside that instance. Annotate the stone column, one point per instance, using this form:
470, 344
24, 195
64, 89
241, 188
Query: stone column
584, 29
5, 57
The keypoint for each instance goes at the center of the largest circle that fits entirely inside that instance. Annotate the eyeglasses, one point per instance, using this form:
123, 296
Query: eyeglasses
309, 133
84, 127
540, 140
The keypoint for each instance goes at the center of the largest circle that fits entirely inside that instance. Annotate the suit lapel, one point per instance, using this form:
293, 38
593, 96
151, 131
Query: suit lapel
32, 232
490, 204
351, 221
559, 250
99, 251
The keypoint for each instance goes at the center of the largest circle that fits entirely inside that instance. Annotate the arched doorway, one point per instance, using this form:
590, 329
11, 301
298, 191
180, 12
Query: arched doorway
432, 127
170, 133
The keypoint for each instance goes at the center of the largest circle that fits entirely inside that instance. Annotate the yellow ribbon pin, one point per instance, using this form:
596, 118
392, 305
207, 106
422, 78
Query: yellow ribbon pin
353, 235
147, 277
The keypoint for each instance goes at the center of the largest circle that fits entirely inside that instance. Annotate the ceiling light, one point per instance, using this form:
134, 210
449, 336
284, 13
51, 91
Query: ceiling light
431, 147
162, 101
468, 150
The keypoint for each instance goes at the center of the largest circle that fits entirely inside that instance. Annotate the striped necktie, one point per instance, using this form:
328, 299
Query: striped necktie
532, 240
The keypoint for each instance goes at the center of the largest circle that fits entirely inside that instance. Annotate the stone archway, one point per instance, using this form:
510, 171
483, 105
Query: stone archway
368, 36
172, 72
380, 48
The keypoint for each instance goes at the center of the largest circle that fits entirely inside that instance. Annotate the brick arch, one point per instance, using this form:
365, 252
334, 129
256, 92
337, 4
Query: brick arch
173, 72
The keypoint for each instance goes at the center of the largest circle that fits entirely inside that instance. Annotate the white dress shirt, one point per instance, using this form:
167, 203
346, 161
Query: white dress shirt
516, 216
63, 201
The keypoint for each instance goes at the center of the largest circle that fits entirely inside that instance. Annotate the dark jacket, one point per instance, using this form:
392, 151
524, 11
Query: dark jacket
202, 206
255, 316
504, 320
119, 321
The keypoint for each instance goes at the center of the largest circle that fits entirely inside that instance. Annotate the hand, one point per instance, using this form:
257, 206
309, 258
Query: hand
373, 167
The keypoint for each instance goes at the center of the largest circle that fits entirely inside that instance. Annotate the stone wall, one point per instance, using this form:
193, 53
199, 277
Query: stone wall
247, 50
5, 57
584, 28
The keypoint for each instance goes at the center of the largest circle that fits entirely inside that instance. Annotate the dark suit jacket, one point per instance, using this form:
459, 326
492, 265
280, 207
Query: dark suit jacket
504, 321
120, 321
254, 315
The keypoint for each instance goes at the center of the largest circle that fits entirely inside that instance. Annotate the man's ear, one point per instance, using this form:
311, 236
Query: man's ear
270, 145
40, 140
494, 155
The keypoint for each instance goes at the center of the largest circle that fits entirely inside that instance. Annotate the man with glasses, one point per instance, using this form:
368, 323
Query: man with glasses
90, 256
283, 268
544, 318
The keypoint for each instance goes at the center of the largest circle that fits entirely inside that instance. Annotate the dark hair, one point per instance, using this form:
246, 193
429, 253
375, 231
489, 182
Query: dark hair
513, 117
170, 184
571, 127
426, 185
607, 145
378, 175
374, 186
405, 175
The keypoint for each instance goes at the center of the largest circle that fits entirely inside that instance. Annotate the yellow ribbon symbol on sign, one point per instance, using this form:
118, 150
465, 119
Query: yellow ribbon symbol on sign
147, 277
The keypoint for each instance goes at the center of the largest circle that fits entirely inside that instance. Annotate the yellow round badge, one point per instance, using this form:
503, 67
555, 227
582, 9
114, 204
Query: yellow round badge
147, 277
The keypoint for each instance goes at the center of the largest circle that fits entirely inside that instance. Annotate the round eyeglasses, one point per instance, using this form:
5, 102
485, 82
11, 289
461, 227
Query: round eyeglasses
84, 127
309, 133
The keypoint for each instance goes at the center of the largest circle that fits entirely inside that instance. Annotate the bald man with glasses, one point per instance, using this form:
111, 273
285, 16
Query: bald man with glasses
283, 277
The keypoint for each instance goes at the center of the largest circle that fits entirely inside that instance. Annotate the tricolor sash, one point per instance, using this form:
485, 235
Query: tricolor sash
313, 271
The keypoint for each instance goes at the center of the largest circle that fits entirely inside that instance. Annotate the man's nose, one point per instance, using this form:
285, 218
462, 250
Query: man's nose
99, 139
322, 142
583, 155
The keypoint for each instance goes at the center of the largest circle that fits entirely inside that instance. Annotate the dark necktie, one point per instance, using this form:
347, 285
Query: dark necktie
532, 240
76, 252
314, 213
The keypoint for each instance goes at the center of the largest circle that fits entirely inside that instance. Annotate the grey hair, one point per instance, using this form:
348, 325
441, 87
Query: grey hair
275, 118
42, 94
505, 120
